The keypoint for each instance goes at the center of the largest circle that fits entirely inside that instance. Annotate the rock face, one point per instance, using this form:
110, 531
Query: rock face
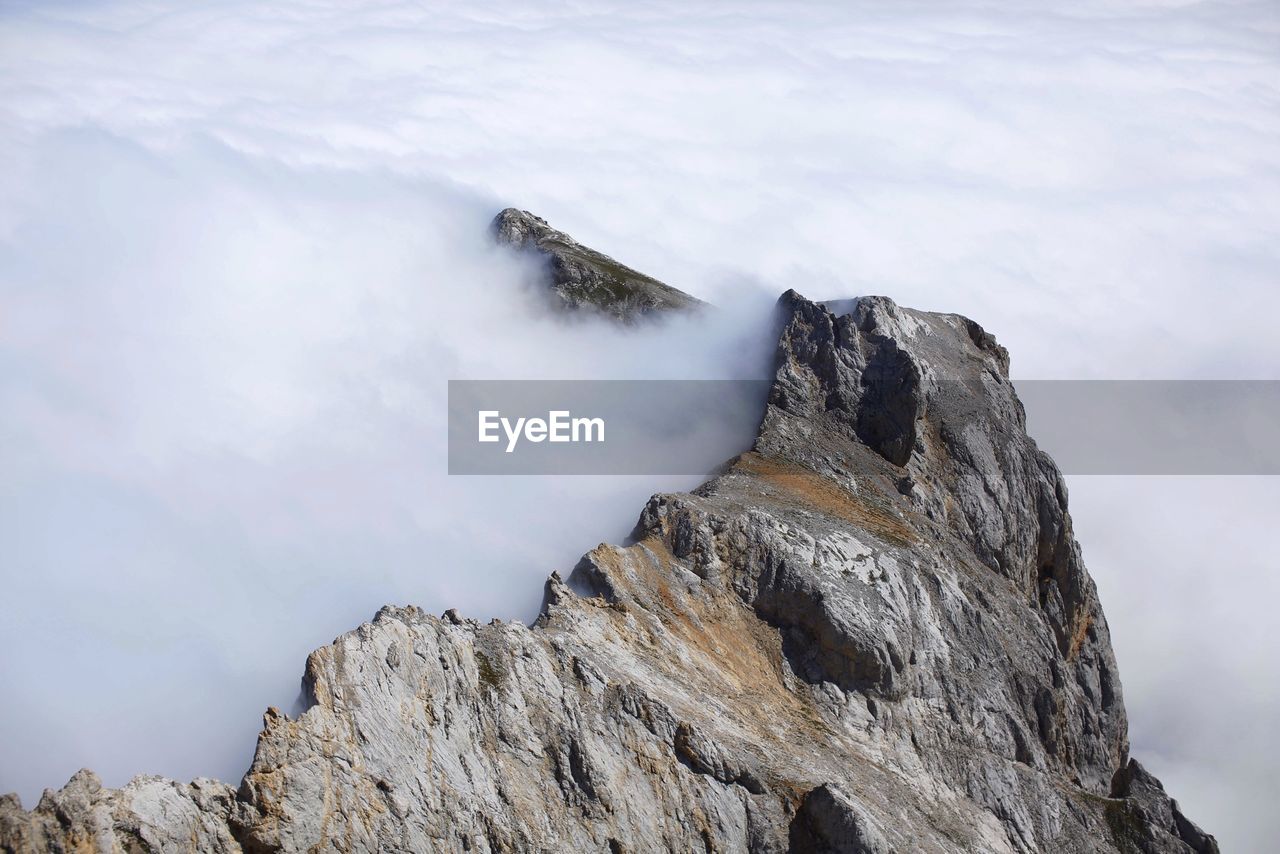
871, 633
584, 279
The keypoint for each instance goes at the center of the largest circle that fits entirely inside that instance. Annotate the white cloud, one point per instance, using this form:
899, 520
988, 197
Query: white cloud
1188, 582
225, 384
243, 242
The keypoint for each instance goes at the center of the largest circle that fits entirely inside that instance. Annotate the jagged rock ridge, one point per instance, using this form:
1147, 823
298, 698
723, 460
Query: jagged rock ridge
582, 278
871, 633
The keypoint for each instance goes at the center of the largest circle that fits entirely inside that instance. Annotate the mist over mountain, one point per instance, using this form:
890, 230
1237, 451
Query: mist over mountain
243, 246
873, 631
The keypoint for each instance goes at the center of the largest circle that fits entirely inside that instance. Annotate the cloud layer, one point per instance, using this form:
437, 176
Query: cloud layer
241, 247
225, 427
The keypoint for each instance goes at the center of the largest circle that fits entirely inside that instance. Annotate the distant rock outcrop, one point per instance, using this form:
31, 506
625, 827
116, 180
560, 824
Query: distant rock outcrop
582, 278
871, 633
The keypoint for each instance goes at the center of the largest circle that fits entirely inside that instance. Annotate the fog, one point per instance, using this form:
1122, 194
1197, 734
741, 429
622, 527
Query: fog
225, 438
242, 248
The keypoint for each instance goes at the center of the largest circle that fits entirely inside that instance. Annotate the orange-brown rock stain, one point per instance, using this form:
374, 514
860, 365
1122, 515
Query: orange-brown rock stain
806, 488
736, 655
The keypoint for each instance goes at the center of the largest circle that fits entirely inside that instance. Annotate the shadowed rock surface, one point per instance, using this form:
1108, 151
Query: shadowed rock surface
871, 633
582, 278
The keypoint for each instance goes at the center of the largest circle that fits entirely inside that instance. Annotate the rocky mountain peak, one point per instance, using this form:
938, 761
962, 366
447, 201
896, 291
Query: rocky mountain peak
581, 279
873, 632
518, 228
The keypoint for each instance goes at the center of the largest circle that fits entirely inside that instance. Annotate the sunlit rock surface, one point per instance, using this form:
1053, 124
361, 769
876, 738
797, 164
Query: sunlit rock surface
871, 633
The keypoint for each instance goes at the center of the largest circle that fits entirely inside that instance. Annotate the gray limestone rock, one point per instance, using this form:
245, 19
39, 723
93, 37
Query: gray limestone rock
871, 633
582, 278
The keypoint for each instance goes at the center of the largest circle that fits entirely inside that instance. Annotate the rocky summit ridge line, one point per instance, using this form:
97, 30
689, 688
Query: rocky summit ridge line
871, 633
582, 279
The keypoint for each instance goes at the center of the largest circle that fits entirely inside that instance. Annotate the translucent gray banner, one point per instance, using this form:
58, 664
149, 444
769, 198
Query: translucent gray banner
691, 426
1227, 427
600, 426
